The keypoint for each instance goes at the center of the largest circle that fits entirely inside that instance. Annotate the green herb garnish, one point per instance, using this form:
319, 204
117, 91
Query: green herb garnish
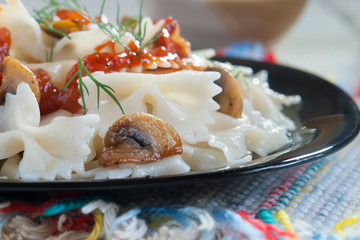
45, 17
118, 30
49, 56
82, 86
115, 32
141, 33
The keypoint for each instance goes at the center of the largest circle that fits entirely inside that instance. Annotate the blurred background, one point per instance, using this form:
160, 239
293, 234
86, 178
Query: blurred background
318, 36
325, 40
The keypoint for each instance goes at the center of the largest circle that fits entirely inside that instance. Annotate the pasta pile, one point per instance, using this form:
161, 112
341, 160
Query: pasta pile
65, 145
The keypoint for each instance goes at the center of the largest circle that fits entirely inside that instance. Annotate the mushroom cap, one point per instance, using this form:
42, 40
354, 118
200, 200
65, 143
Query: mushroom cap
14, 72
231, 97
139, 138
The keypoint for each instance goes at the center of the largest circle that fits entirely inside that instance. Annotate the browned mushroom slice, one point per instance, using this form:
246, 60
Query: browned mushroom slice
139, 138
230, 99
14, 72
65, 26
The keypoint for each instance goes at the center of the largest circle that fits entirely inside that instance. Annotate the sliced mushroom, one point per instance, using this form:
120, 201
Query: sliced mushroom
139, 138
14, 72
230, 99
66, 26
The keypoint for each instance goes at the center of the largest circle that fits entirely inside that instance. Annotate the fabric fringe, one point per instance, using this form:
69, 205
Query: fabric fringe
98, 219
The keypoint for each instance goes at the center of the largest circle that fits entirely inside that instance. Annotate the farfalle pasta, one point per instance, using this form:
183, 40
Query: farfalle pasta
92, 78
57, 148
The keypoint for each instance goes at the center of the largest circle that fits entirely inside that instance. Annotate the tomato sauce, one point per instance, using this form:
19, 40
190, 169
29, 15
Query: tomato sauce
169, 47
53, 99
170, 41
114, 62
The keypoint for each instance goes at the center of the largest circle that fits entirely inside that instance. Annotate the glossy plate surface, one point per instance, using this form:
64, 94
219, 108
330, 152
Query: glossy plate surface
331, 118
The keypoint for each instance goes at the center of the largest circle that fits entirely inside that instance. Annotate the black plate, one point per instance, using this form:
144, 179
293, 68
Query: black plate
320, 100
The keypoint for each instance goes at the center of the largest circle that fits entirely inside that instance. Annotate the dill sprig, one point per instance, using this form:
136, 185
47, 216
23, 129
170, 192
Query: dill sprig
140, 34
49, 56
115, 32
45, 17
118, 30
83, 88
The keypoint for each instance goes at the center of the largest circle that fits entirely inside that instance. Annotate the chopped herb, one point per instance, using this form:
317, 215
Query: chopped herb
49, 56
82, 86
